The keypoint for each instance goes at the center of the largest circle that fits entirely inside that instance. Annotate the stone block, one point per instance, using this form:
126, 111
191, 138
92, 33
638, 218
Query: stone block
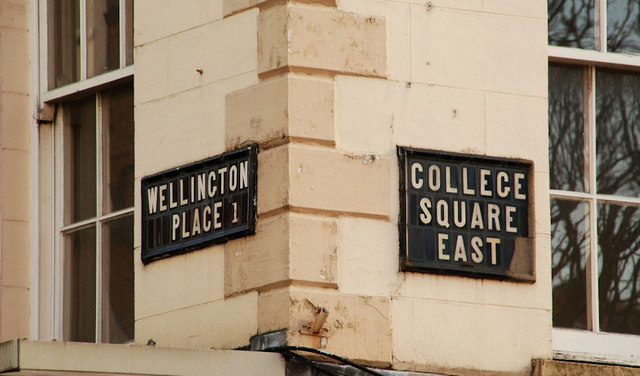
326, 180
367, 256
14, 306
357, 328
522, 8
172, 65
273, 310
516, 127
14, 14
156, 19
179, 282
313, 249
273, 179
14, 177
297, 36
193, 125
259, 260
506, 54
15, 117
15, 76
15, 254
398, 18
234, 6
223, 324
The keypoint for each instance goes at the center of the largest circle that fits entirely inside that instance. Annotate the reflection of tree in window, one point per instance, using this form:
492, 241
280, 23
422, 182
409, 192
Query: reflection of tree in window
571, 23
623, 25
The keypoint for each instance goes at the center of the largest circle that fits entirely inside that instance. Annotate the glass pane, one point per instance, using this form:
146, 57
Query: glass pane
117, 287
623, 26
63, 42
569, 244
571, 23
566, 128
129, 30
117, 120
619, 268
80, 285
80, 166
618, 132
103, 36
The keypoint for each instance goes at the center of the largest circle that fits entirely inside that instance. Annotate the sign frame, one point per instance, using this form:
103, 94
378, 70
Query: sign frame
521, 266
247, 200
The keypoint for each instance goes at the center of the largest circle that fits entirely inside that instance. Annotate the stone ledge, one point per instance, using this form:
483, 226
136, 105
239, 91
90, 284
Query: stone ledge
545, 367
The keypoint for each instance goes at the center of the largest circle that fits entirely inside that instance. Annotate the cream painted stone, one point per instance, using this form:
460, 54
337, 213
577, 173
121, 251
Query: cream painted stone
451, 336
367, 256
523, 8
15, 76
312, 108
14, 115
273, 179
493, 57
313, 250
180, 281
439, 118
473, 5
69, 358
235, 6
367, 114
14, 313
273, 310
448, 288
516, 127
222, 49
259, 260
543, 208
14, 177
402, 331
323, 179
357, 328
156, 19
15, 254
525, 295
301, 36
223, 324
14, 14
398, 19
191, 122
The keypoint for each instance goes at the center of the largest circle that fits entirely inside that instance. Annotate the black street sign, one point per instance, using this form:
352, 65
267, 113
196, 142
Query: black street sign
465, 214
192, 206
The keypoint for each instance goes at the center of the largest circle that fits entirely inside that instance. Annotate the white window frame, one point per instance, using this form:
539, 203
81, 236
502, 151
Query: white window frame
47, 314
594, 345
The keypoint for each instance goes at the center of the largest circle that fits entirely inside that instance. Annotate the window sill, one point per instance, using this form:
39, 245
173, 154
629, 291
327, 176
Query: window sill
608, 348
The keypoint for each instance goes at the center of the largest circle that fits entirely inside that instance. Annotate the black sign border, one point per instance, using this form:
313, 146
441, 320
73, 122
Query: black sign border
403, 152
216, 238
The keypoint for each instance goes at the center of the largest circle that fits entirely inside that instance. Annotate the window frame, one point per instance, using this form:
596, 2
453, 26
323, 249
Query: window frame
593, 344
48, 279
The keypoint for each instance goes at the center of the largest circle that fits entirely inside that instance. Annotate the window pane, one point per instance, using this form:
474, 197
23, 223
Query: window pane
571, 23
80, 166
117, 107
570, 244
103, 36
129, 30
566, 128
63, 42
618, 132
80, 285
117, 287
619, 264
623, 25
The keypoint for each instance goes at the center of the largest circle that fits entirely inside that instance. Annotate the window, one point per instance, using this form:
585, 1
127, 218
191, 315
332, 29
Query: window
86, 202
594, 157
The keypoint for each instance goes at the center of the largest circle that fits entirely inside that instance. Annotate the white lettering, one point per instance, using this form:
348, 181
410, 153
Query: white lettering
195, 229
449, 188
459, 213
425, 205
502, 188
233, 178
212, 184
509, 211
172, 204
441, 246
442, 213
465, 183
235, 213
202, 186
183, 200
484, 181
518, 177
460, 253
416, 182
152, 199
221, 172
434, 178
494, 249
493, 217
175, 219
185, 233
163, 197
206, 221
216, 214
244, 174
476, 217
476, 243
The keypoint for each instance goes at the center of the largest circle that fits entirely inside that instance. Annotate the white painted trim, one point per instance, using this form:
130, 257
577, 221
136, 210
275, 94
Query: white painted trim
122, 19
595, 347
83, 40
597, 58
593, 304
59, 94
34, 168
